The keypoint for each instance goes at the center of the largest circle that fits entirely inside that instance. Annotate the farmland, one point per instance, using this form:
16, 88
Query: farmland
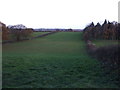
59, 60
38, 33
100, 43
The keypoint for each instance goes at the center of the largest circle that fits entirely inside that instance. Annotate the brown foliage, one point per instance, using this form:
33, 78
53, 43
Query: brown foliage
5, 32
20, 34
107, 31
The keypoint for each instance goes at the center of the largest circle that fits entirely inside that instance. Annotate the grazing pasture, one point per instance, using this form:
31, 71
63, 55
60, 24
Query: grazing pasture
100, 43
58, 60
38, 33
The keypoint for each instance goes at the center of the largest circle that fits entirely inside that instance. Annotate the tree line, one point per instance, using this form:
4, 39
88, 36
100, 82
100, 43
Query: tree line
15, 33
108, 30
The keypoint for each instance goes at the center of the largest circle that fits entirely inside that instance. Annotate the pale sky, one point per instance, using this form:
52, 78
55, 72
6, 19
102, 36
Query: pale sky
57, 13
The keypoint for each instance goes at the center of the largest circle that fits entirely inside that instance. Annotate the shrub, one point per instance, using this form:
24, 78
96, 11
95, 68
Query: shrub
109, 55
20, 34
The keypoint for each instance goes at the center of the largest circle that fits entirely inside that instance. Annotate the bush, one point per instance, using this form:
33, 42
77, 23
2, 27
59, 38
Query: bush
20, 34
109, 55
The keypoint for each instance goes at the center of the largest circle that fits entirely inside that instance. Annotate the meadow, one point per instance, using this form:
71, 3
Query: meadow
100, 43
59, 60
37, 33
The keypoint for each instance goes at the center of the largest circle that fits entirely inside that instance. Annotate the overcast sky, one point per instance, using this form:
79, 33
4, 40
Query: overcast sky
57, 13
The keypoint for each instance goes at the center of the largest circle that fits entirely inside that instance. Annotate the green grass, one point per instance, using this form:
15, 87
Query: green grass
100, 43
38, 33
59, 60
34, 34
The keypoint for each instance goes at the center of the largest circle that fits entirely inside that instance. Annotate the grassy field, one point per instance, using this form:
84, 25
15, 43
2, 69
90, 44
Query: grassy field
59, 60
38, 33
34, 34
100, 43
